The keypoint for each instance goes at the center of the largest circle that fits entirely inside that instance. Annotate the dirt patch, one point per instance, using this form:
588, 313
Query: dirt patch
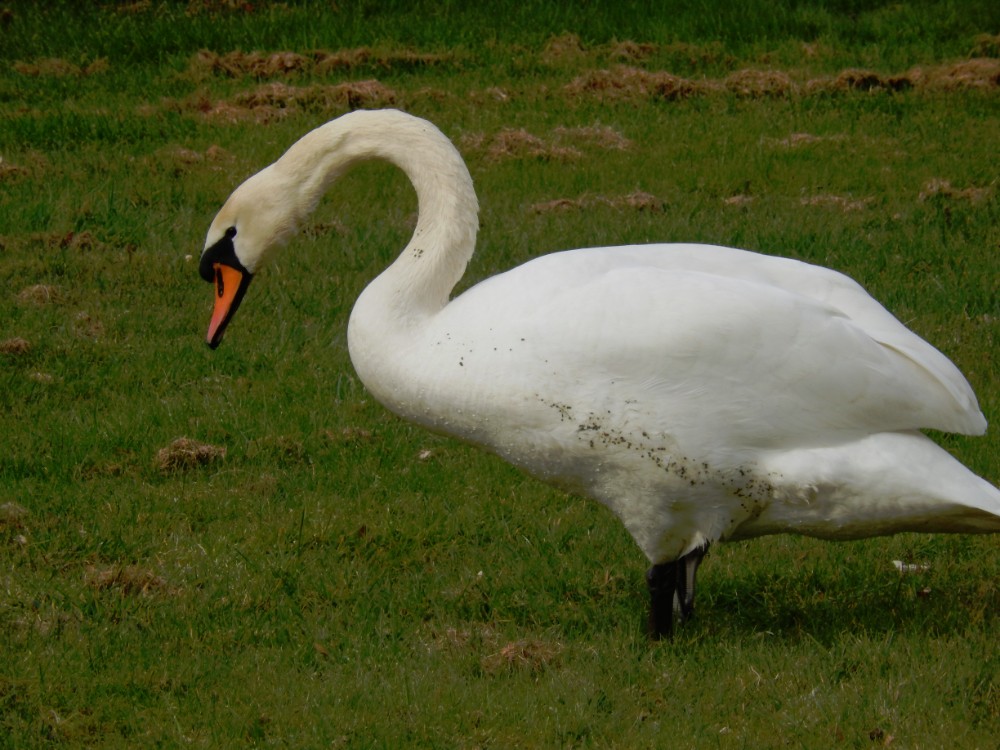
600, 136
287, 64
759, 84
15, 346
131, 580
349, 436
87, 327
568, 50
188, 156
325, 228
529, 655
493, 93
630, 52
797, 140
11, 171
78, 241
185, 453
563, 144
180, 160
279, 449
698, 55
84, 240
626, 82
39, 294
979, 73
816, 50
938, 188
845, 204
133, 8
638, 201
857, 79
55, 67
561, 49
226, 112
519, 144
13, 515
986, 45
270, 101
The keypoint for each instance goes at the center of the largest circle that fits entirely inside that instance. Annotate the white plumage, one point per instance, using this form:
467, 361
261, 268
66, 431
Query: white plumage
702, 393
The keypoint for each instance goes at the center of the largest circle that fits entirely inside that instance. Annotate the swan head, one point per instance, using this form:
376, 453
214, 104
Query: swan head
257, 219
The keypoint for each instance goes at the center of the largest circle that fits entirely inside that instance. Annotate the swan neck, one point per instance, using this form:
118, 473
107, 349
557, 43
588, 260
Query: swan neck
443, 241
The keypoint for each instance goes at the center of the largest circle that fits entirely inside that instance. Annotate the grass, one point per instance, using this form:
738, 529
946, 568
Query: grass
339, 578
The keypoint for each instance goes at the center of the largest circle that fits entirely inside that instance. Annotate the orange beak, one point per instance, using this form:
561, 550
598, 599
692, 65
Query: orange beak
230, 286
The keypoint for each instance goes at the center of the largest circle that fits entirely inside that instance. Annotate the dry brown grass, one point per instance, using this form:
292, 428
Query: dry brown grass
187, 157
561, 49
13, 515
978, 73
16, 346
85, 326
325, 228
131, 580
512, 143
637, 201
275, 99
320, 63
631, 52
529, 655
11, 171
939, 188
625, 82
270, 101
277, 448
563, 144
567, 50
185, 453
600, 136
985, 45
759, 84
54, 67
39, 294
858, 79
798, 140
844, 203
139, 6
349, 436
85, 240
179, 160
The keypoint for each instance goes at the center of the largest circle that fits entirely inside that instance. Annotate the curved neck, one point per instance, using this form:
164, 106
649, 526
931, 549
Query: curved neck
422, 277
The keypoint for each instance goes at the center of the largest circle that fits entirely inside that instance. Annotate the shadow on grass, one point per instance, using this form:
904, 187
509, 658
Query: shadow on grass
848, 593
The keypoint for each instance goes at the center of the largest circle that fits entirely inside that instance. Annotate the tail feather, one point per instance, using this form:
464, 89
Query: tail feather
882, 484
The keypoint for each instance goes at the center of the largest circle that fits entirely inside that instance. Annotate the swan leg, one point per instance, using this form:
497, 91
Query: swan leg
671, 592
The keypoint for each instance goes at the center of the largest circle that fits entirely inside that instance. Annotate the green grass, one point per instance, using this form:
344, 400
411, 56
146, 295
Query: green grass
342, 579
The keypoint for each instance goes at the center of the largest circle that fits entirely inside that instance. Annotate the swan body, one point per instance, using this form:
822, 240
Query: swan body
702, 393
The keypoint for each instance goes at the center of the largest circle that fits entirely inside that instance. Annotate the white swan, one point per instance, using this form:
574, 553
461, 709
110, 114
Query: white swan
701, 393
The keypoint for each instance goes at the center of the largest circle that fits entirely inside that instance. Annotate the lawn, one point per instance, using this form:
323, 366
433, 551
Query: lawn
243, 548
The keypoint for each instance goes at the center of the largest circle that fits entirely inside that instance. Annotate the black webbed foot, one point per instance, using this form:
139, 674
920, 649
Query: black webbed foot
671, 591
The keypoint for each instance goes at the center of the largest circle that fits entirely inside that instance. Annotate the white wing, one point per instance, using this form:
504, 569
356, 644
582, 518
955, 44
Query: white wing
764, 351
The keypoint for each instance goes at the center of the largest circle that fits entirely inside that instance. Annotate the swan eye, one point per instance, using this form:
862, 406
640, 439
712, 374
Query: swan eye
220, 287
